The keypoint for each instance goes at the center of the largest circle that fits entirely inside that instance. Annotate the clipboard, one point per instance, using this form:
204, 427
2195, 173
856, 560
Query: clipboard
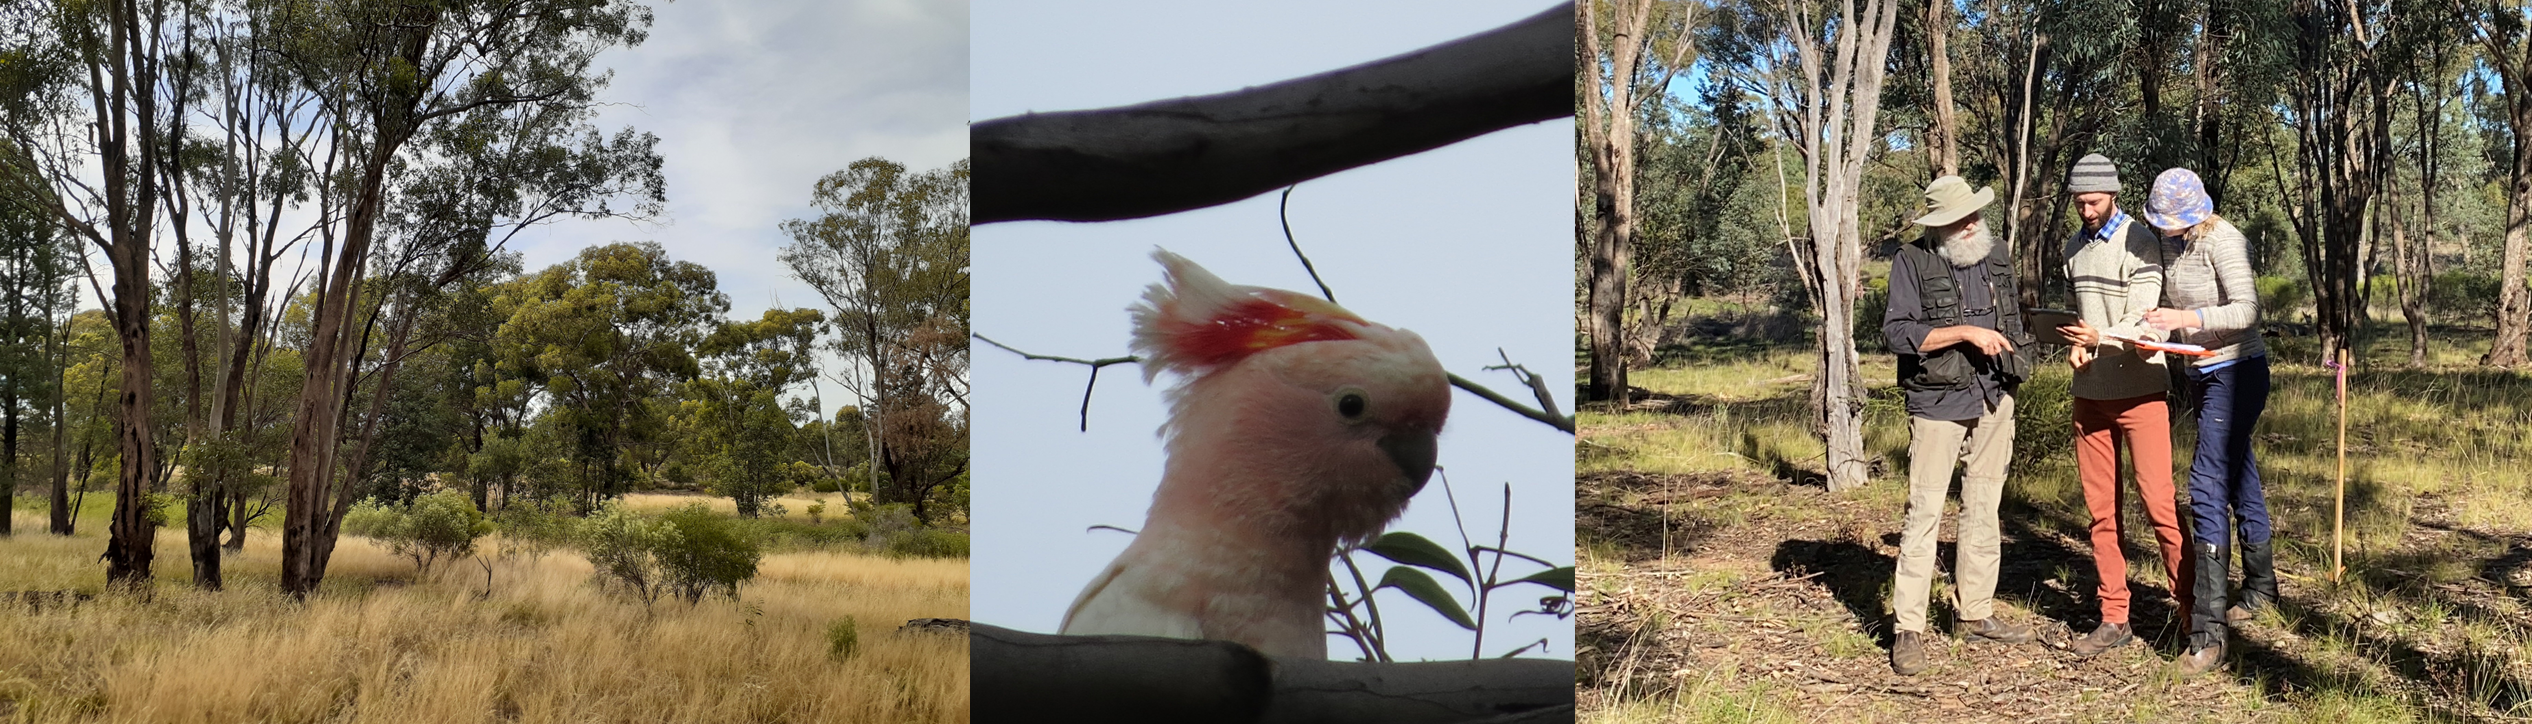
2043, 322
2185, 350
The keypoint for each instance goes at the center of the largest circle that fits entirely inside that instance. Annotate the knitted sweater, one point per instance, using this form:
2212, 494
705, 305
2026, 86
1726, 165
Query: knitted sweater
2213, 277
2116, 279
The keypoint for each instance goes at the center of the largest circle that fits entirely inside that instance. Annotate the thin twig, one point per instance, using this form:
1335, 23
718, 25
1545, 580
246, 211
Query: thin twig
1094, 364
1552, 419
1283, 213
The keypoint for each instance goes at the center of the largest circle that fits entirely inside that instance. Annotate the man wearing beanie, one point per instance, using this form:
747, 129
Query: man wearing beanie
2115, 267
1955, 324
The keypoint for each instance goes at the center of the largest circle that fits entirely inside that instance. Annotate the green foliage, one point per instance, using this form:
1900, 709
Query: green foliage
531, 528
622, 547
842, 641
440, 525
687, 552
2282, 298
1476, 571
709, 553
928, 543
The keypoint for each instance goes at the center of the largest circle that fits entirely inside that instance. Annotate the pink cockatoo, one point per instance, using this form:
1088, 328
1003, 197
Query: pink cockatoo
1295, 427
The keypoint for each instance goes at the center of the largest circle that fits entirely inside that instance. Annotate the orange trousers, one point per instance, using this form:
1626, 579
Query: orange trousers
2142, 425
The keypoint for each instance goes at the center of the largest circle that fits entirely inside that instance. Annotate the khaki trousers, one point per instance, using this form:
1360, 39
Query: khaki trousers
1934, 447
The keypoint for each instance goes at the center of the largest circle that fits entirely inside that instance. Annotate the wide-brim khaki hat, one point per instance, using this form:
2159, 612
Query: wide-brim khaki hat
1949, 199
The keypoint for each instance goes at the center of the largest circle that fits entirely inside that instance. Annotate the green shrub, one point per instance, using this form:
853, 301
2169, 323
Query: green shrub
841, 640
2281, 297
708, 553
440, 525
928, 543
687, 552
824, 485
622, 546
530, 529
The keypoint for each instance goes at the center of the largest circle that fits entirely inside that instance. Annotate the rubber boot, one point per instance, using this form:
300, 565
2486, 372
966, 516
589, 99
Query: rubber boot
2207, 627
2259, 581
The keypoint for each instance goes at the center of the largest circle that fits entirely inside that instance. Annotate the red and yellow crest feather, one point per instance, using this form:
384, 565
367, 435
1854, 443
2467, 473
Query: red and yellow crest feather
1195, 322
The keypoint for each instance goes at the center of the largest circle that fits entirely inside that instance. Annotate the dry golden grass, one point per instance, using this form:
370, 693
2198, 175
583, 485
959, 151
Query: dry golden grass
377, 645
795, 504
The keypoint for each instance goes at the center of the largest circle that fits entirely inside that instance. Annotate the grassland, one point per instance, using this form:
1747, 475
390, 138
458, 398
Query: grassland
526, 641
1722, 584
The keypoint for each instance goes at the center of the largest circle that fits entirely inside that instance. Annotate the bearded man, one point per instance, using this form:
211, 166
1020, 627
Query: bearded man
1956, 325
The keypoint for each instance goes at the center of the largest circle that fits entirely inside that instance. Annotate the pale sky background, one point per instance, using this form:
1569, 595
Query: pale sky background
1468, 245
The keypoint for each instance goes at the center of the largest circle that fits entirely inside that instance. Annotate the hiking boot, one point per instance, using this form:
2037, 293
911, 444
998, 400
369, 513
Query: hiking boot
1907, 653
1993, 630
2259, 582
2202, 658
2108, 636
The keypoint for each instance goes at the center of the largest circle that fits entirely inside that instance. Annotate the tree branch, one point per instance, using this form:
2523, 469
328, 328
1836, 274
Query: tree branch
1036, 677
1175, 155
1095, 365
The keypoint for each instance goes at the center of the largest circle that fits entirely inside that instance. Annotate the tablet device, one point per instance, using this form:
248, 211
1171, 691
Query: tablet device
2043, 323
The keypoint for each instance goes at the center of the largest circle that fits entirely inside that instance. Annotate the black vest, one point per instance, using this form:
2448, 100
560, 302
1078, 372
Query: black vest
1939, 293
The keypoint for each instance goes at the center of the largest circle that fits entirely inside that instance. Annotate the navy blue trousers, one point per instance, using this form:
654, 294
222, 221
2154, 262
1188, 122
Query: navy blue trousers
2223, 474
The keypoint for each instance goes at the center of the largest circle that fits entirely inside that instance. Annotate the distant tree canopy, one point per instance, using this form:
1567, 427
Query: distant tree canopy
2349, 141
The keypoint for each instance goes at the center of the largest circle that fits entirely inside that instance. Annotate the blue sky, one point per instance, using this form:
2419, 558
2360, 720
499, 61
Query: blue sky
1470, 246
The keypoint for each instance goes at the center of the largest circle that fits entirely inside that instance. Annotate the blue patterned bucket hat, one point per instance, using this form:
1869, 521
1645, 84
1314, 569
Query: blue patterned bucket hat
2179, 200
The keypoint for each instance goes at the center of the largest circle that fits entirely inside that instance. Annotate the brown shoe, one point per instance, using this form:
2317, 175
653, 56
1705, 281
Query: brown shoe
2108, 636
1993, 630
2201, 660
1907, 653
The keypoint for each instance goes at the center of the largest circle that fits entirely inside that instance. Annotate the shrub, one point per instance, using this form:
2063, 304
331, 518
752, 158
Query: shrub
2281, 297
841, 640
824, 485
440, 525
530, 529
707, 553
929, 543
622, 546
687, 552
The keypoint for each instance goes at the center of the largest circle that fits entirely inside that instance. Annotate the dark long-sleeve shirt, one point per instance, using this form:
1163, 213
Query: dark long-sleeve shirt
1905, 328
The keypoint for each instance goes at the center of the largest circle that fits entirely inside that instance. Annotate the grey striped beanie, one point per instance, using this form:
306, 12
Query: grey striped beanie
2093, 174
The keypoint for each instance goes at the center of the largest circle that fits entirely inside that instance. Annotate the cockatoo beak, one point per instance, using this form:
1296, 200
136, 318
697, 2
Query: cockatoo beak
1414, 452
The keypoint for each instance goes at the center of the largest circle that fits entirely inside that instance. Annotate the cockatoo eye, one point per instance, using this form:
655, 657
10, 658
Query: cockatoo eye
1352, 404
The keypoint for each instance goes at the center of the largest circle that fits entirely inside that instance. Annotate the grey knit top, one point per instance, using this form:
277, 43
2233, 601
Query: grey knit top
2213, 277
2117, 274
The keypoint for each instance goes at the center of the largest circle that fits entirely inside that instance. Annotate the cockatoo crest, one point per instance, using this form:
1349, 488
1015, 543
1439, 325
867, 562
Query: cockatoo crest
1195, 322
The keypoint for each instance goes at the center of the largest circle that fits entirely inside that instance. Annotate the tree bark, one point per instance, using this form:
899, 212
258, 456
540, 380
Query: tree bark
1830, 112
2514, 308
1189, 153
1946, 146
1609, 131
1035, 677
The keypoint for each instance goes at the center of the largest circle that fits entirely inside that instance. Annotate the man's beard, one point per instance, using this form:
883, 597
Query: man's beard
1969, 247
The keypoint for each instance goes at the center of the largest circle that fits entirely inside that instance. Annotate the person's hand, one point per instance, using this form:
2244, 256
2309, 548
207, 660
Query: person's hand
2081, 332
2170, 319
1987, 340
2078, 356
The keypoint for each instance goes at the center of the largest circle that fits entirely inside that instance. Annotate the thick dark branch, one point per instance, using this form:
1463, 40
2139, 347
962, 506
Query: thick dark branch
1036, 677
1188, 153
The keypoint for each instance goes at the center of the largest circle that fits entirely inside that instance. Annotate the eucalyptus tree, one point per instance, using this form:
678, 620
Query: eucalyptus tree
748, 367
1825, 68
1624, 75
889, 257
386, 73
601, 342
2506, 38
87, 118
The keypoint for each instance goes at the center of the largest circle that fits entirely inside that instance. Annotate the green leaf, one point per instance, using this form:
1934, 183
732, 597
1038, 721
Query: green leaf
1561, 579
1415, 550
1426, 591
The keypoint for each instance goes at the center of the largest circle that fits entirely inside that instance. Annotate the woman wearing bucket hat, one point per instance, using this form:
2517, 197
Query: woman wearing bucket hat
2211, 302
